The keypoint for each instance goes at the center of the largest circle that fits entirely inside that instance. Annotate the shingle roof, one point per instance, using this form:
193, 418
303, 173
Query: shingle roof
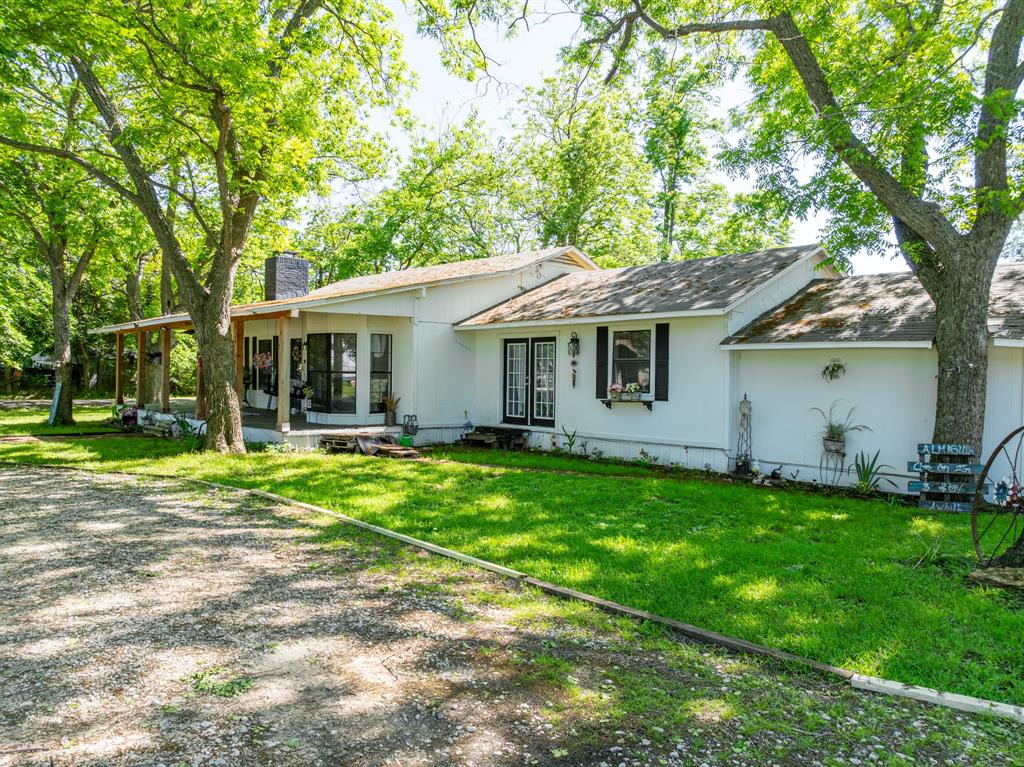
405, 278
674, 286
877, 307
425, 275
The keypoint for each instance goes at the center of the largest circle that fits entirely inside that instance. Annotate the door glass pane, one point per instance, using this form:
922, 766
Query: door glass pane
515, 380
264, 369
380, 352
380, 370
544, 380
321, 399
344, 353
343, 392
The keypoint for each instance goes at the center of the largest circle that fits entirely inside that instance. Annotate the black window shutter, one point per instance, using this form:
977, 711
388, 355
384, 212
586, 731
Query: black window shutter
602, 362
661, 362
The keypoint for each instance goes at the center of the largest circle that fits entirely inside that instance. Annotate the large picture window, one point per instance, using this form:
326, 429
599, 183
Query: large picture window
631, 358
331, 362
380, 370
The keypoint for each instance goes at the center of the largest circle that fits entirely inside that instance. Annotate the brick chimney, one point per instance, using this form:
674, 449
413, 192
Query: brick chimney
285, 276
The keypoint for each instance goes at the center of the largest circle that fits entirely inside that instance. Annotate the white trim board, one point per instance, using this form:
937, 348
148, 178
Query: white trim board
608, 318
829, 345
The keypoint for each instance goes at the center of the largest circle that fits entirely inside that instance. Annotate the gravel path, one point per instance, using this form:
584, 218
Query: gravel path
159, 624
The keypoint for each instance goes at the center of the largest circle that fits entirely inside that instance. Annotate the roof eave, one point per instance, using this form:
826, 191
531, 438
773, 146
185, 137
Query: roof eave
864, 344
589, 319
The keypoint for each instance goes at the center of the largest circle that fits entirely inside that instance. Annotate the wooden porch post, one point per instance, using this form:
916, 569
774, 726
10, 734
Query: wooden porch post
165, 369
140, 371
119, 368
239, 344
200, 389
284, 383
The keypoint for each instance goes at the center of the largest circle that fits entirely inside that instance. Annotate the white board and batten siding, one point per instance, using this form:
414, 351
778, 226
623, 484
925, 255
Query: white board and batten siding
690, 429
892, 391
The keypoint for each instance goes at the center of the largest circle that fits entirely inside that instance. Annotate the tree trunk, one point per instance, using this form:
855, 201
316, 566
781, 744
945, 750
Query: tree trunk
223, 416
62, 353
961, 294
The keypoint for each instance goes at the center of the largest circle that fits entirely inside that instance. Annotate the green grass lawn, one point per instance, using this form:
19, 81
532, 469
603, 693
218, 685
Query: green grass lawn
860, 584
32, 420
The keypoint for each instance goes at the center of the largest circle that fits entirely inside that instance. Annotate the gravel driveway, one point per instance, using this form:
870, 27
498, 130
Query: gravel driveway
158, 623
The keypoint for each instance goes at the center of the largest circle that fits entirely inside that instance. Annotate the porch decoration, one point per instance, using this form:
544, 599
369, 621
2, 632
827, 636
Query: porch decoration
833, 435
833, 370
744, 442
631, 393
997, 510
263, 360
574, 345
307, 398
574, 352
390, 402
833, 443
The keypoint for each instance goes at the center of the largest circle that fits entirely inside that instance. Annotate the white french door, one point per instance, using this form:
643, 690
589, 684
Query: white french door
529, 381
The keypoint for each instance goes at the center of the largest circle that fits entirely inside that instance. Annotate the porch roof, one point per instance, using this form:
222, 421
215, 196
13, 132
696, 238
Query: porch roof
373, 284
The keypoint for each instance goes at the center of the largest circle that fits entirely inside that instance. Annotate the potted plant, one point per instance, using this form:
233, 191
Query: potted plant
833, 435
631, 392
390, 403
615, 392
307, 397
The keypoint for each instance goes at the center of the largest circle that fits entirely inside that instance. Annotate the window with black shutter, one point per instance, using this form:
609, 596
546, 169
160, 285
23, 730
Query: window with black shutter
661, 362
601, 365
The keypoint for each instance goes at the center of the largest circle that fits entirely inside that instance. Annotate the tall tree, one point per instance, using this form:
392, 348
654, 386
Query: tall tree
588, 183
221, 108
697, 215
61, 213
911, 110
448, 200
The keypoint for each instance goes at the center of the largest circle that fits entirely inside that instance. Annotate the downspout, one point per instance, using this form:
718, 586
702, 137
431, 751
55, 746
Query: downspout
414, 379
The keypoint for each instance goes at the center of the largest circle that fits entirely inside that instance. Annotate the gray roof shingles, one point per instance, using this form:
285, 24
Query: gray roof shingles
426, 275
877, 307
674, 286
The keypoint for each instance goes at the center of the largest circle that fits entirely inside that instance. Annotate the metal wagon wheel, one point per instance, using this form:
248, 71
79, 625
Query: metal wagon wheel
997, 516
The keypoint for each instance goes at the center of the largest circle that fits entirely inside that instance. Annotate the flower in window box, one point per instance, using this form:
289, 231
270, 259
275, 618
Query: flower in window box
631, 392
615, 391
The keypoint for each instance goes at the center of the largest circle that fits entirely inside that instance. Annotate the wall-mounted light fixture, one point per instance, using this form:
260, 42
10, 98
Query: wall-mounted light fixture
574, 345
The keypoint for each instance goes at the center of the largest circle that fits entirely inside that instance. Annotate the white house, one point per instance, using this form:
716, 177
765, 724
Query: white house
533, 341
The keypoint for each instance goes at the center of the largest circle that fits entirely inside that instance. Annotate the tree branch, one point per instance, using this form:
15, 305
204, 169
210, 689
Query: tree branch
923, 217
1002, 79
64, 154
145, 198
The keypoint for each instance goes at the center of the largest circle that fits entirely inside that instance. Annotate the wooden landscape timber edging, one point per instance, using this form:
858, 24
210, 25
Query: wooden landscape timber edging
889, 687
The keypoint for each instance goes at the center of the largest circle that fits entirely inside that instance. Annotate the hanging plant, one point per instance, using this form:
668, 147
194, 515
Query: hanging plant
833, 370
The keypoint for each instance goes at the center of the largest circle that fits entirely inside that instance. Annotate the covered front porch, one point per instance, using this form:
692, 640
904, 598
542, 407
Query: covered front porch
299, 374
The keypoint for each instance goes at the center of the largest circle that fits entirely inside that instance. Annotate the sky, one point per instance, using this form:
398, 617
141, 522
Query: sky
441, 99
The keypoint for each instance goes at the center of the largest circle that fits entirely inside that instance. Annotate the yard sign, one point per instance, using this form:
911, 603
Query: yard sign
946, 476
